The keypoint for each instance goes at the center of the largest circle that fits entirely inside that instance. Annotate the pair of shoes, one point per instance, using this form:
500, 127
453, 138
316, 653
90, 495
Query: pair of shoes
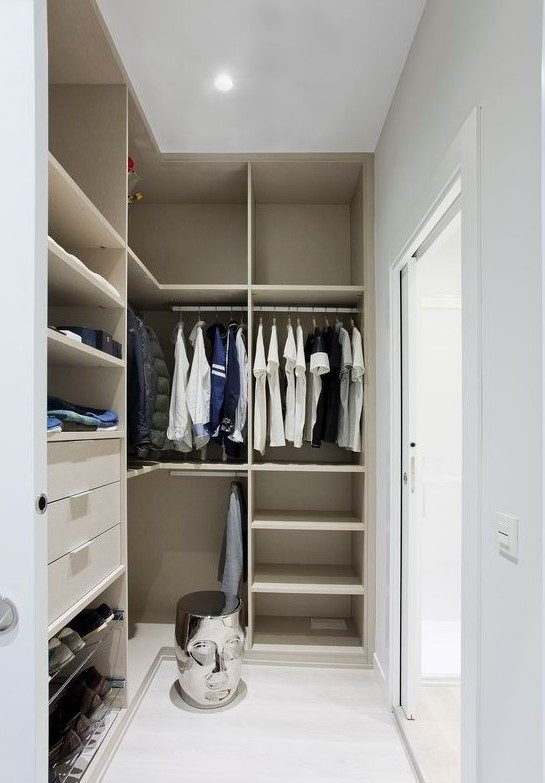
68, 745
84, 696
59, 655
62, 649
94, 680
91, 623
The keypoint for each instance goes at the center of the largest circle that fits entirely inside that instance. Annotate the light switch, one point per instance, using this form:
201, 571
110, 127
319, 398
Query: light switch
508, 535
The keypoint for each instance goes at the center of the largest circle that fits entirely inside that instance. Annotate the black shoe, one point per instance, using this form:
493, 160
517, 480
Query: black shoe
105, 612
65, 748
96, 682
89, 625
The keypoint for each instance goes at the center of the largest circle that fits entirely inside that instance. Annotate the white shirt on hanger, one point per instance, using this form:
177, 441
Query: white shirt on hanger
343, 434
290, 355
260, 402
300, 389
179, 420
240, 415
198, 387
355, 403
276, 428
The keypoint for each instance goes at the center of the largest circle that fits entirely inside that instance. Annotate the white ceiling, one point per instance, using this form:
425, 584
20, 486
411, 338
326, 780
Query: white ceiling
310, 75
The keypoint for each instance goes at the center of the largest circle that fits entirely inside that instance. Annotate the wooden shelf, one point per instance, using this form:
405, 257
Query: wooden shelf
306, 520
308, 579
310, 467
145, 291
271, 631
313, 295
53, 437
73, 284
74, 221
63, 351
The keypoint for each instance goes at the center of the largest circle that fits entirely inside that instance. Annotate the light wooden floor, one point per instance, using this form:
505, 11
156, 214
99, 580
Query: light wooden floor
435, 734
295, 724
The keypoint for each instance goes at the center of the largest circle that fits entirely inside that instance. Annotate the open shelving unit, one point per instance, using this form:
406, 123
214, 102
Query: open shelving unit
308, 247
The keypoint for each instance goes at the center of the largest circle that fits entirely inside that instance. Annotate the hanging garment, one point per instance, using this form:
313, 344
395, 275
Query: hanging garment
232, 393
331, 386
319, 365
276, 428
260, 402
198, 388
159, 413
217, 334
300, 390
179, 422
232, 563
343, 432
290, 355
307, 432
240, 416
141, 385
355, 403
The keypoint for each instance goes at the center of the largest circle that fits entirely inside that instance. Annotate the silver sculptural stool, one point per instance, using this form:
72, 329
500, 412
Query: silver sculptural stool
209, 647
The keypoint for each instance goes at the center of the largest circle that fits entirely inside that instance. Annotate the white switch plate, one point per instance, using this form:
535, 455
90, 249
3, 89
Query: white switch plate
508, 535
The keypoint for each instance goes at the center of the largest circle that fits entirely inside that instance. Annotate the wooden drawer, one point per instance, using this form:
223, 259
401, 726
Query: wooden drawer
75, 520
77, 466
75, 574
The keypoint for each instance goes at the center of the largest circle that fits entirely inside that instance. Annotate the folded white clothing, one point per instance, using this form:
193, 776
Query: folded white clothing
72, 335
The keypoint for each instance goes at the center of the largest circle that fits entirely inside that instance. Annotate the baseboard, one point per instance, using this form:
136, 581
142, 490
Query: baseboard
441, 680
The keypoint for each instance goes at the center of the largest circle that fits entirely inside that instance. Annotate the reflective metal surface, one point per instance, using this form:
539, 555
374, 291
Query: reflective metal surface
209, 647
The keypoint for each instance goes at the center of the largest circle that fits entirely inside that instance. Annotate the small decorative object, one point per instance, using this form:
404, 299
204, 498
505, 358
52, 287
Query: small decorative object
209, 648
132, 181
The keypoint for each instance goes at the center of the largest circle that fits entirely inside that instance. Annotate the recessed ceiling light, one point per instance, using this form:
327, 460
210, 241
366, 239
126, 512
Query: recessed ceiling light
223, 82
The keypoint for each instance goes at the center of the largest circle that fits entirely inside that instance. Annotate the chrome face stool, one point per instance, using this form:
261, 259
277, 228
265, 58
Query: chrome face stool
209, 647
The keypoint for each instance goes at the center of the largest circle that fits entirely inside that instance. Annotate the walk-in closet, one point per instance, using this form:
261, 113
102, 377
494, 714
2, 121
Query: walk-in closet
271, 243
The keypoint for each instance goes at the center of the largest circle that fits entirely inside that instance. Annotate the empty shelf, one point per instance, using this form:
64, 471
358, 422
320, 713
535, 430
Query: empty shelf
309, 579
63, 351
93, 435
306, 520
314, 295
271, 631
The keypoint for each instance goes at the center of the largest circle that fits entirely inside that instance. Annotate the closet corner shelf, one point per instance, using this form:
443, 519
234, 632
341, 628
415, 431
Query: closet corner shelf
307, 579
63, 351
310, 467
72, 284
146, 291
65, 617
313, 295
338, 521
74, 221
53, 437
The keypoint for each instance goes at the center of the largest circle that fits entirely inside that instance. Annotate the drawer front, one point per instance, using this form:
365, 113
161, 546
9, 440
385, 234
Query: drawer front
75, 574
77, 519
77, 466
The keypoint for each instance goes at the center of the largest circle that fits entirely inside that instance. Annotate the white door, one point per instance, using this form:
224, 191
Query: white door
410, 601
431, 459
23, 535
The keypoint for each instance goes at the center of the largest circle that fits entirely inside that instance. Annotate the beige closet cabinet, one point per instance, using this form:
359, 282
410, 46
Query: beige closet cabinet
285, 238
87, 522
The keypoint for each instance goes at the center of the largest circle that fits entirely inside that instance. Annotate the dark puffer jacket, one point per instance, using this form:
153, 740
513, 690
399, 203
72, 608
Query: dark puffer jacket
141, 385
161, 403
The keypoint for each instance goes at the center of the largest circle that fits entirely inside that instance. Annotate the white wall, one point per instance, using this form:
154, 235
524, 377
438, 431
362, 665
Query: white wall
481, 53
439, 448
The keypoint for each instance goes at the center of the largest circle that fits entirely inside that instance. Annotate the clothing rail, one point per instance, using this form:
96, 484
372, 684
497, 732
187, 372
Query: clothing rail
264, 309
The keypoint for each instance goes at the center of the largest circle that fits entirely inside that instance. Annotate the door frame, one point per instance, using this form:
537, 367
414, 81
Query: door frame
458, 174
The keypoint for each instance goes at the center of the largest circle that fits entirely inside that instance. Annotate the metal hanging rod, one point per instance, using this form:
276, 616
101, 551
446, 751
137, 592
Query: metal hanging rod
208, 308
263, 309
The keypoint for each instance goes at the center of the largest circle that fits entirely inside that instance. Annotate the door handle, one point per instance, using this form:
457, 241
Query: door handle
81, 548
413, 473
